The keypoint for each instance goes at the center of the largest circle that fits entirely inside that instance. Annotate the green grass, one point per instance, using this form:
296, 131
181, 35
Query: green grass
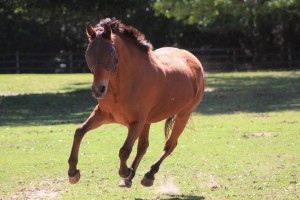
243, 141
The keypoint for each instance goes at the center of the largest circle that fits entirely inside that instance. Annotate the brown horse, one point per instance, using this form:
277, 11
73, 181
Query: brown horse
136, 86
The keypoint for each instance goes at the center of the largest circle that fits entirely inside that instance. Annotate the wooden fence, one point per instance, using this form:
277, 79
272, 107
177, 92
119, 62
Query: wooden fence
42, 62
230, 59
233, 59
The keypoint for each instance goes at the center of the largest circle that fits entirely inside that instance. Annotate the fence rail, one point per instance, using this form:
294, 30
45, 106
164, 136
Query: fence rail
42, 62
239, 59
212, 59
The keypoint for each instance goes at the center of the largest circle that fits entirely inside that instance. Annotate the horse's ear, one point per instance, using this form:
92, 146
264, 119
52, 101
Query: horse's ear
106, 32
90, 32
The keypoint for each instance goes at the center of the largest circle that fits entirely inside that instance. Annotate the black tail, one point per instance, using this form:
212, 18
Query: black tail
168, 126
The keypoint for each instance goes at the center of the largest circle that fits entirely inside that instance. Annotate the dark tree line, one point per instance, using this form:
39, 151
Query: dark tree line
55, 25
246, 23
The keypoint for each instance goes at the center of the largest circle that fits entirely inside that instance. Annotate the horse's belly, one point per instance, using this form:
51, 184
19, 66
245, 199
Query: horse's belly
161, 112
159, 116
173, 101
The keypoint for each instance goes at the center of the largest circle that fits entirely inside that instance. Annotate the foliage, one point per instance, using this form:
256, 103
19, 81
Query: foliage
241, 143
264, 22
30, 26
54, 26
207, 12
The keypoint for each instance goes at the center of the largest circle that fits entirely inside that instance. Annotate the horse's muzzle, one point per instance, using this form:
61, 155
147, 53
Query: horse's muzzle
99, 92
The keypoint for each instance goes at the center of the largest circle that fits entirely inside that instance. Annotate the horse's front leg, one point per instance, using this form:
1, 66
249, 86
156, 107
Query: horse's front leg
133, 133
96, 119
141, 150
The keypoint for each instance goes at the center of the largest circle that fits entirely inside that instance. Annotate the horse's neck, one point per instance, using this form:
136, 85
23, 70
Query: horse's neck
127, 67
128, 54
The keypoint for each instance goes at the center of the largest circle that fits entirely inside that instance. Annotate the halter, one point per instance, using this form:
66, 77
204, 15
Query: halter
101, 53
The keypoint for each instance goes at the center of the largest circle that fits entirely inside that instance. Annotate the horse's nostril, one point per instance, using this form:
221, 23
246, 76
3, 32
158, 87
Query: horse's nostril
98, 92
102, 89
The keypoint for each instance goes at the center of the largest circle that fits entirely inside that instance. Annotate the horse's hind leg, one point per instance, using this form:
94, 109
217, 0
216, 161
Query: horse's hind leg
141, 150
179, 125
95, 120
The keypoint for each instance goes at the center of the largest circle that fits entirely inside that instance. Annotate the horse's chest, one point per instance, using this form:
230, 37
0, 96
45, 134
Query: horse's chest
120, 118
117, 114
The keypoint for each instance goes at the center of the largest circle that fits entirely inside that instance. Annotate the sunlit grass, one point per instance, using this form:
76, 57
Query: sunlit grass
242, 142
14, 84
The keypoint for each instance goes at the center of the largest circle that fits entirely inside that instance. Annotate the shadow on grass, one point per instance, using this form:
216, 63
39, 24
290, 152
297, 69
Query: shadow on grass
228, 94
250, 94
46, 109
182, 197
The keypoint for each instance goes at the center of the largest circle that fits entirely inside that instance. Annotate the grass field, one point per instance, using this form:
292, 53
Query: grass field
243, 141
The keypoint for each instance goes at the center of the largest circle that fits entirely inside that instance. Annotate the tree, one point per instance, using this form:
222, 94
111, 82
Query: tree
54, 25
263, 22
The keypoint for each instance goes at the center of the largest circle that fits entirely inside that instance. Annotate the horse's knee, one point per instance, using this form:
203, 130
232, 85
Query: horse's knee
79, 132
124, 153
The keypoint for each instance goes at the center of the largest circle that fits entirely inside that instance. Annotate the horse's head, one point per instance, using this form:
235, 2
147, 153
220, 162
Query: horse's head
101, 58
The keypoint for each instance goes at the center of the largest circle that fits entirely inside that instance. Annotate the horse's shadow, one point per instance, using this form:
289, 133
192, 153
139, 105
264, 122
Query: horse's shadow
180, 197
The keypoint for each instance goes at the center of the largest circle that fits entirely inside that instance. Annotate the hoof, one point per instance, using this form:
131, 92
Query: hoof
147, 182
125, 183
74, 179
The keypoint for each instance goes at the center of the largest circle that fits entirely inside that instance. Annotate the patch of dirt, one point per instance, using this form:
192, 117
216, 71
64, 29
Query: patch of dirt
289, 122
35, 194
212, 183
264, 134
207, 181
261, 115
39, 190
258, 135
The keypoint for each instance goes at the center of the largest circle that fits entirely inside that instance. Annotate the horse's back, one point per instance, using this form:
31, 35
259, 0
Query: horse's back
181, 61
182, 84
174, 57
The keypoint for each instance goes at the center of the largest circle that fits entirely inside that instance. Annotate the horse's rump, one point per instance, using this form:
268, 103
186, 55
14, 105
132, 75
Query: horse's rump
183, 80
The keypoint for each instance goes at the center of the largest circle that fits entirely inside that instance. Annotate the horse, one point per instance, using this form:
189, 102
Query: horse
136, 86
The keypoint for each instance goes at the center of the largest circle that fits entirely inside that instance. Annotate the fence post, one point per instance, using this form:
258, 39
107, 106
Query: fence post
234, 59
17, 62
289, 56
71, 61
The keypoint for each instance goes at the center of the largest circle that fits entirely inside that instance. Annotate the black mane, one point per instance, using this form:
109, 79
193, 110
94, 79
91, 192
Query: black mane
130, 32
